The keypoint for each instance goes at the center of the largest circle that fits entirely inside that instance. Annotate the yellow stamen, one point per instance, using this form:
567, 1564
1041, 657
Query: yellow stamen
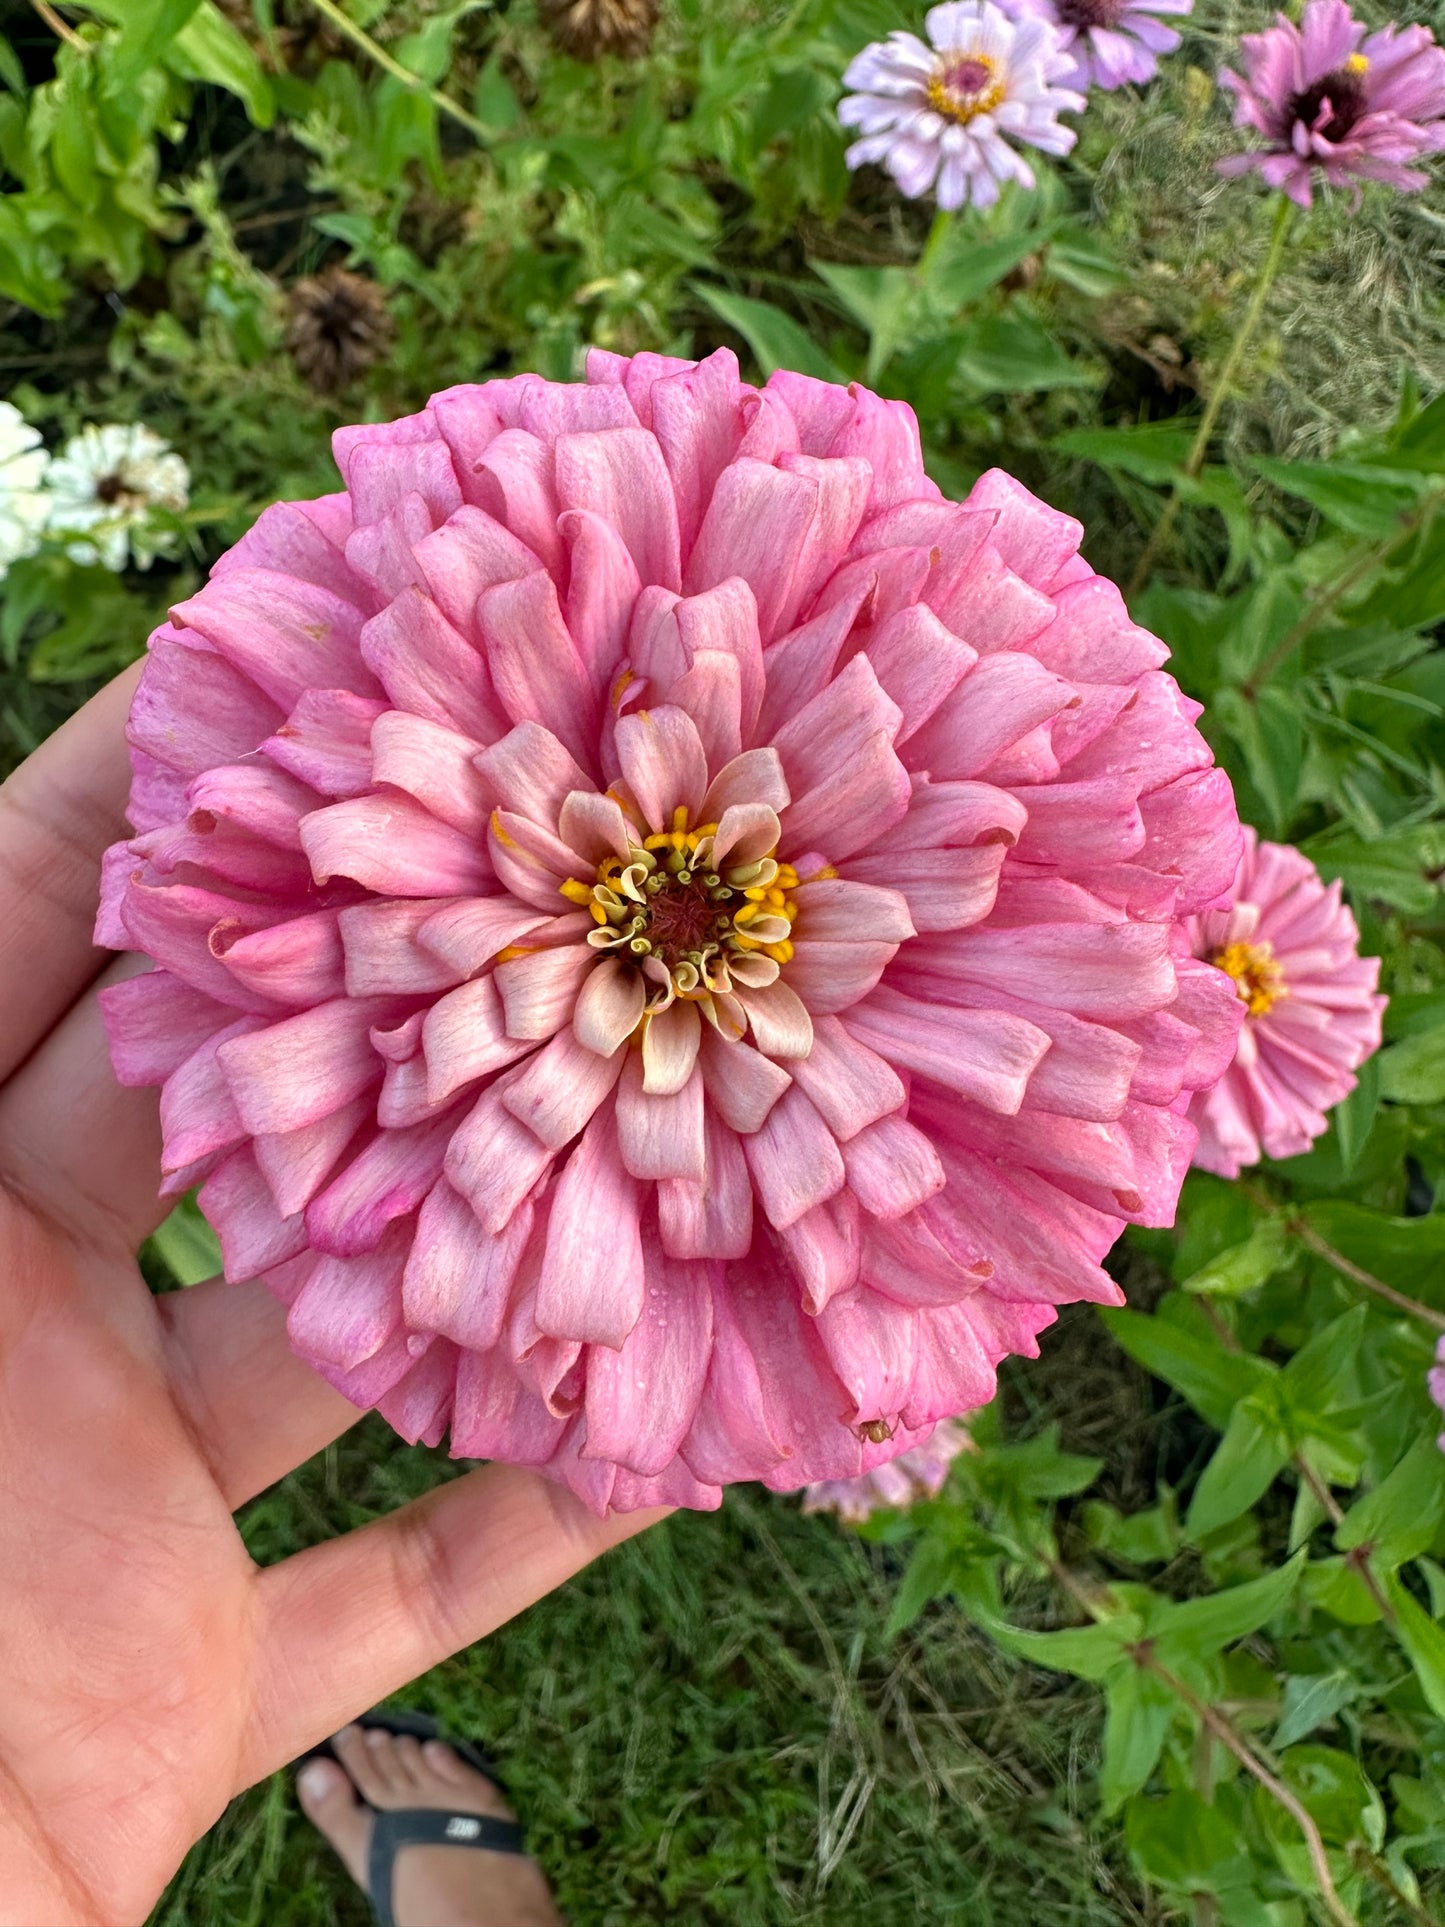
1257, 977
1358, 63
515, 950
679, 818
964, 86
576, 892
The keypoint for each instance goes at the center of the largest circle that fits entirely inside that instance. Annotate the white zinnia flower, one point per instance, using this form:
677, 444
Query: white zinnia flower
104, 484
23, 502
945, 114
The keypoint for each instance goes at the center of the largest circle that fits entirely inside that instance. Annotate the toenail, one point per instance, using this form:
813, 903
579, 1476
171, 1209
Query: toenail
315, 1780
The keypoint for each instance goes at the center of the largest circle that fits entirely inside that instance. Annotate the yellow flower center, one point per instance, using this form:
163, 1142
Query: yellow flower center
668, 902
964, 86
1358, 63
1257, 977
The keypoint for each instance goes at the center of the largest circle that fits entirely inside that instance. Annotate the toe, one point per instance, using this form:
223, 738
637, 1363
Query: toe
328, 1799
463, 1786
409, 1764
365, 1764
384, 1751
443, 1762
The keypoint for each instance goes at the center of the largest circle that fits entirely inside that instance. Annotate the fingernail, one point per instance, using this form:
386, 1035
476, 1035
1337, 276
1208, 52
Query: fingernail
314, 1780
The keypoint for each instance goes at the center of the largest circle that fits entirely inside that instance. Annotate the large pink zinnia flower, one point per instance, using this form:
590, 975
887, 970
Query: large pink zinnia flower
1336, 104
1311, 1018
665, 927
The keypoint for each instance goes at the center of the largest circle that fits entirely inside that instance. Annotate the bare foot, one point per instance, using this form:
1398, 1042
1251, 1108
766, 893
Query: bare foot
435, 1886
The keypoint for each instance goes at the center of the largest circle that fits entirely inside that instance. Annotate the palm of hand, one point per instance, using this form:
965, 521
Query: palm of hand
148, 1669
129, 1635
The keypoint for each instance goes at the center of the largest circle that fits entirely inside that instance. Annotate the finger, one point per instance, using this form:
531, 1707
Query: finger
346, 1623
77, 1145
255, 1410
58, 813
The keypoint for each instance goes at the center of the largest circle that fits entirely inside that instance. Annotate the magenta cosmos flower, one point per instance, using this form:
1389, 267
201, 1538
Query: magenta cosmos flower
1331, 101
665, 927
1112, 43
1311, 1015
896, 1485
943, 117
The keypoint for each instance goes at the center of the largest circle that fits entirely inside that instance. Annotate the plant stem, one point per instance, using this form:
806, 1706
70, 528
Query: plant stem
1328, 599
941, 223
1194, 461
1229, 1737
60, 27
358, 37
1315, 1243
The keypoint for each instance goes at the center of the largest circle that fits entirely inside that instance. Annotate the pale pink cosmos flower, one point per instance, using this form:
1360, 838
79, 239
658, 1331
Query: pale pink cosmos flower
1336, 104
944, 117
1311, 1014
1113, 43
896, 1485
666, 928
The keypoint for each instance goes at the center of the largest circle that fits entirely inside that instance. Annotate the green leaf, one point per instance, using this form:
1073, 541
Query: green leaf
1012, 354
1211, 1378
1338, 1589
1153, 452
1400, 1518
147, 28
925, 1579
1360, 499
1217, 1620
884, 301
1341, 1801
1423, 1640
1181, 1842
209, 48
1311, 1700
493, 102
1143, 1538
774, 337
1354, 1118
1088, 1652
1244, 1267
1413, 1071
187, 1245
1140, 1711
965, 269
1249, 1458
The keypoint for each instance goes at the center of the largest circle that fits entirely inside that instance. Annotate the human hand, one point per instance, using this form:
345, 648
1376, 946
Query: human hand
149, 1670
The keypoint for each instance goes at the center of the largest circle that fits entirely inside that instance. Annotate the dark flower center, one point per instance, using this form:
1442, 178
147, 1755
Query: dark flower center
1084, 14
109, 489
967, 77
684, 918
1343, 91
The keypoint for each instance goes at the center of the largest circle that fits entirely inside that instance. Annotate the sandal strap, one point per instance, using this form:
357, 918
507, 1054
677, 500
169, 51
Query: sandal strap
426, 1827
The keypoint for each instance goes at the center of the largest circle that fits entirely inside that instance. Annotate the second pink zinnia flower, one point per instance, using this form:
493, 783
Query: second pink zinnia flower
1311, 1012
665, 927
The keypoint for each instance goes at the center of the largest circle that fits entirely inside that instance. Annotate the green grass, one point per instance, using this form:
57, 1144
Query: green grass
708, 1728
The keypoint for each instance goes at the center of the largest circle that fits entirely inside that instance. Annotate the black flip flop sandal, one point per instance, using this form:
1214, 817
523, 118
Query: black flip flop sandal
392, 1832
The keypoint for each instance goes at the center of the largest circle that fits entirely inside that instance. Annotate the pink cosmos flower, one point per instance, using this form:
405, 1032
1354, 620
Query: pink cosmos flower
665, 927
1311, 1017
896, 1485
1112, 42
942, 117
1435, 1378
1331, 101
